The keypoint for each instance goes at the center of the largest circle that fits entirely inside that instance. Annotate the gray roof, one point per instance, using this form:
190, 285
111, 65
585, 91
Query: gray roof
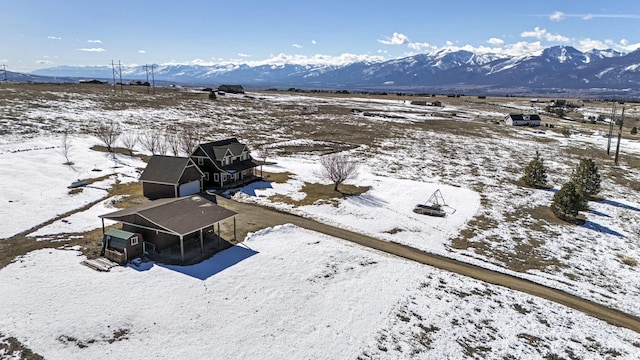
179, 216
164, 169
216, 150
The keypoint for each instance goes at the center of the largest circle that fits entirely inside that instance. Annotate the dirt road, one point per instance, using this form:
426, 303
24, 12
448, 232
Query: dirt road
253, 218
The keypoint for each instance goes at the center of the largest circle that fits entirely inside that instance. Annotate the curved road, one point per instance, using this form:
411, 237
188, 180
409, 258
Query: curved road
254, 217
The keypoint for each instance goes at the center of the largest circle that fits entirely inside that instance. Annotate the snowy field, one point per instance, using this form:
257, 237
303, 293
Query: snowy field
286, 293
406, 152
36, 185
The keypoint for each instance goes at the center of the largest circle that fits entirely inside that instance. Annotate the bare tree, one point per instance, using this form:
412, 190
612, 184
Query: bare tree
149, 141
173, 143
338, 168
66, 148
129, 141
108, 133
263, 153
189, 139
163, 146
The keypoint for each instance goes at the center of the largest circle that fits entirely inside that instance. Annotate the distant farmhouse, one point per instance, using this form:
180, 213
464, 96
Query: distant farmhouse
231, 89
522, 120
92, 81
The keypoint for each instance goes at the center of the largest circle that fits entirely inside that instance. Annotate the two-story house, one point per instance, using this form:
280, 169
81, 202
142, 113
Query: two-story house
225, 163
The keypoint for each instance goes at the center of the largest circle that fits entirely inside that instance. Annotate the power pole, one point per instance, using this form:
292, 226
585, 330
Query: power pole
619, 137
4, 71
149, 70
613, 120
153, 80
116, 71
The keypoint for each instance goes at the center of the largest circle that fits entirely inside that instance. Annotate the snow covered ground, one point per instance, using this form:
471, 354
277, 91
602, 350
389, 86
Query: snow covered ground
497, 223
35, 184
285, 293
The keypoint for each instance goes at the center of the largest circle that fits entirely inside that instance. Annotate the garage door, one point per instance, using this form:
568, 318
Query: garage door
189, 188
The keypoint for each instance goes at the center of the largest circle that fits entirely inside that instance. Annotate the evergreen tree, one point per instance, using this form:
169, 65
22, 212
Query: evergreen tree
535, 174
587, 178
568, 201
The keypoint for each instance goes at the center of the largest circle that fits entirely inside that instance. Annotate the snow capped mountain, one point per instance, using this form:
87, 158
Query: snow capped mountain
558, 67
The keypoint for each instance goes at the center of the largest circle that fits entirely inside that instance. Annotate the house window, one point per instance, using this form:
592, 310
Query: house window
216, 178
134, 240
224, 177
206, 176
200, 161
227, 160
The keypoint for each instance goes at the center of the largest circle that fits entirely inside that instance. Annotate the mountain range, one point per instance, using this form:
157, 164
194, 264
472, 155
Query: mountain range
559, 69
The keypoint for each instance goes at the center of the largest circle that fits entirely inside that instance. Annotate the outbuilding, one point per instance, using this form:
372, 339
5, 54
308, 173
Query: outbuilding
170, 176
121, 246
164, 223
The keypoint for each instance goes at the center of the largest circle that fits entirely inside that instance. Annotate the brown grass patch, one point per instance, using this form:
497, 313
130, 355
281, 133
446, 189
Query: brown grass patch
628, 260
11, 345
278, 178
319, 193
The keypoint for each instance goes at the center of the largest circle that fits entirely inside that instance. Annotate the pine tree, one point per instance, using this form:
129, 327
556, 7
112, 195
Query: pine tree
535, 174
587, 178
568, 201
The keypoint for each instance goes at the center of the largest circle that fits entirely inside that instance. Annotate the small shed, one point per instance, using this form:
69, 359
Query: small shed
523, 120
121, 246
170, 176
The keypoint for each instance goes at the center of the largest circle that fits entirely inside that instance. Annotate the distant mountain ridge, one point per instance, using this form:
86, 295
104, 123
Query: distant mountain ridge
554, 69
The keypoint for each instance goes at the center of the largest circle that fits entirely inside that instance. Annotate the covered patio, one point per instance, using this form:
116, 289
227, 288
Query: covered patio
167, 223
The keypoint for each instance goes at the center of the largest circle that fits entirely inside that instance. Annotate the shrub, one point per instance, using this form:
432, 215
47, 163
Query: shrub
535, 174
567, 202
634, 130
586, 178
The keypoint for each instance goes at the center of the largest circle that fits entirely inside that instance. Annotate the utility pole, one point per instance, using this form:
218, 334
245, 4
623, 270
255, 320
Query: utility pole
149, 69
4, 71
619, 137
613, 121
118, 72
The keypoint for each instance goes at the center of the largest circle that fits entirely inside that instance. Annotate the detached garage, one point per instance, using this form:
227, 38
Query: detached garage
170, 176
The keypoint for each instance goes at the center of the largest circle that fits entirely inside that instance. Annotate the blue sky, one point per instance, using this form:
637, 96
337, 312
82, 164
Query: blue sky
45, 33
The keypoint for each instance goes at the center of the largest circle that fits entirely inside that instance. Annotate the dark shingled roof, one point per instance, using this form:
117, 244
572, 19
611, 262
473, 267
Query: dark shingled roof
164, 169
217, 149
179, 216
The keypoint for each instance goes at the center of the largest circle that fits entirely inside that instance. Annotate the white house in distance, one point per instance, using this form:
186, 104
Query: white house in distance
522, 119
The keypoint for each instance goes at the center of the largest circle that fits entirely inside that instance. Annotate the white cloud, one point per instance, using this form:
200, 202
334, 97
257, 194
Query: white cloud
556, 16
396, 39
495, 41
243, 55
587, 17
418, 46
92, 49
543, 34
4, 61
313, 42
44, 62
54, 38
297, 46
95, 41
142, 51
